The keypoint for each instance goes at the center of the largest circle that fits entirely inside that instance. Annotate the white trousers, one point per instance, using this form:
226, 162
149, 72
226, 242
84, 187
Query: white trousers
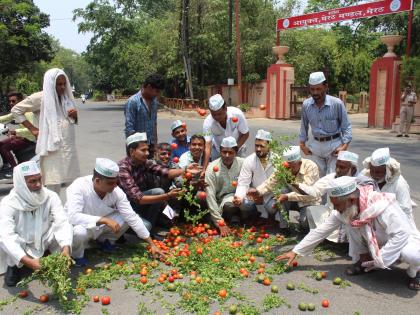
82, 235
322, 155
410, 254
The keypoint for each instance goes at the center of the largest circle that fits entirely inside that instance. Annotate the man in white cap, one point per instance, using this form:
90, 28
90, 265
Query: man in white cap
32, 221
330, 125
304, 171
256, 169
137, 179
386, 172
99, 210
221, 179
181, 141
223, 122
380, 235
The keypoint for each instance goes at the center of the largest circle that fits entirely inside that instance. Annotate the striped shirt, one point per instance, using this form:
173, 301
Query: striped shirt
326, 121
138, 118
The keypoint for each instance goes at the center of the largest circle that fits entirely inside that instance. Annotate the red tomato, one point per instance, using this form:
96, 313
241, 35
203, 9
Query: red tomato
184, 125
286, 164
235, 119
223, 293
252, 259
259, 240
23, 294
188, 175
202, 112
221, 223
143, 280
295, 263
215, 169
234, 183
105, 300
324, 274
174, 146
325, 303
267, 281
95, 298
174, 272
143, 272
175, 159
262, 106
171, 279
44, 298
199, 251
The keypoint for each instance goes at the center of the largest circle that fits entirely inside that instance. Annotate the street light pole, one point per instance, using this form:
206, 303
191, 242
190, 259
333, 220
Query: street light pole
238, 52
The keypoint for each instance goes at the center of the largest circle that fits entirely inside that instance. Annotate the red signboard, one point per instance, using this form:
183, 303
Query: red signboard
348, 13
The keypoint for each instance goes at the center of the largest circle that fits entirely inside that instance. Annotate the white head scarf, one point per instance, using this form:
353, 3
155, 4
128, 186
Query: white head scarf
50, 136
21, 198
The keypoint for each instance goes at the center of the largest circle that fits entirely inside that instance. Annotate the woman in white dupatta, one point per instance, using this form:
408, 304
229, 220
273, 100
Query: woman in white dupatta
55, 117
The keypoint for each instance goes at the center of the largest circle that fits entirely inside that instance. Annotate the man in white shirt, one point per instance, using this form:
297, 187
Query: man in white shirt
223, 122
32, 221
256, 169
99, 210
377, 226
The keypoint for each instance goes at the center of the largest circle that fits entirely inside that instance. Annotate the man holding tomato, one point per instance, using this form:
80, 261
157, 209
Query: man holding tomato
181, 142
221, 179
32, 221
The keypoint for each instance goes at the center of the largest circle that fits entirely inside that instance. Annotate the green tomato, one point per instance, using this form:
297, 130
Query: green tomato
274, 289
290, 286
233, 309
311, 307
303, 306
337, 281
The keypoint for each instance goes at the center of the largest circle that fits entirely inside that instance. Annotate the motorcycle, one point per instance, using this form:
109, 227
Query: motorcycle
23, 155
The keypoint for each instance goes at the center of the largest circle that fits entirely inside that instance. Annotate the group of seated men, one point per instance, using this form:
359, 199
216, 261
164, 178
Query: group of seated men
371, 209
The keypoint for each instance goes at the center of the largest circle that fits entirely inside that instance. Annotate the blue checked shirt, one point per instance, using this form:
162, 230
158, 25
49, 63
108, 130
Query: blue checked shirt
326, 121
139, 119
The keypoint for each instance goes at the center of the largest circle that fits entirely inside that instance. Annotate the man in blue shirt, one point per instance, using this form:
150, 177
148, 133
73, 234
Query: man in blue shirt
331, 128
141, 110
181, 142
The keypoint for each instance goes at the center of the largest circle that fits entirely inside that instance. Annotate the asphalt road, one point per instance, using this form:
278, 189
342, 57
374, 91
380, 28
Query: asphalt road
100, 134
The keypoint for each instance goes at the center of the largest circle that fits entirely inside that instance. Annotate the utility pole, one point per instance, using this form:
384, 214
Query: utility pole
238, 52
230, 19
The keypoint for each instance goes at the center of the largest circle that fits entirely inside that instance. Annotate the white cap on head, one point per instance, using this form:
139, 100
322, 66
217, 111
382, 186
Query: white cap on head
216, 102
229, 142
316, 78
348, 156
106, 167
29, 168
342, 186
176, 124
263, 135
380, 157
292, 154
137, 137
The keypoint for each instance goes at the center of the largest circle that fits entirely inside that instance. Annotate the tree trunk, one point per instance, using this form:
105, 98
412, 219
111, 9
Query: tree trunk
185, 45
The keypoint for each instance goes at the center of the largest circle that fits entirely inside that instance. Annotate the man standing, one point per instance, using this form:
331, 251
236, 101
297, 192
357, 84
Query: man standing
305, 171
223, 122
256, 169
180, 143
141, 110
99, 210
386, 172
221, 179
379, 233
32, 221
408, 101
329, 123
136, 179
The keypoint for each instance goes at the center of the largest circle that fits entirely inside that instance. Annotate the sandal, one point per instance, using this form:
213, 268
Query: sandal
414, 283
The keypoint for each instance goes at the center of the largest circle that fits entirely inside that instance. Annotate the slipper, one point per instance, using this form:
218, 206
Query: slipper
414, 283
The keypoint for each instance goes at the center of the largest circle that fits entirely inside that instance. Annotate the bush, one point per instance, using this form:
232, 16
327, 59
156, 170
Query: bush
244, 107
99, 96
26, 86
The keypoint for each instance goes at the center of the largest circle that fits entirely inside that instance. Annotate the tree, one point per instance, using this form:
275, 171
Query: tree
23, 42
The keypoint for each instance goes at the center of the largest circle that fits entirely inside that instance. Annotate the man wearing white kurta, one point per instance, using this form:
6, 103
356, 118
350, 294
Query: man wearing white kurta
377, 226
55, 117
32, 221
223, 122
386, 172
99, 210
256, 169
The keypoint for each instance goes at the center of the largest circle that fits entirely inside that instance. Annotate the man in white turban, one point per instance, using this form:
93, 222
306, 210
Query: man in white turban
54, 118
32, 221
380, 235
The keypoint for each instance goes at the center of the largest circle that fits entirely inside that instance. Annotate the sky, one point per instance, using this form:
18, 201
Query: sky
61, 25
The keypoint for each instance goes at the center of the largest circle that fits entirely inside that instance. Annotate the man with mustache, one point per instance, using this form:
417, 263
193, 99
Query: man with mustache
386, 173
377, 226
331, 128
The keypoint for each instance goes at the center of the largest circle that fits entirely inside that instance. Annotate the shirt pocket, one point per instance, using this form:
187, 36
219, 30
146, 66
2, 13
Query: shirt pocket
330, 125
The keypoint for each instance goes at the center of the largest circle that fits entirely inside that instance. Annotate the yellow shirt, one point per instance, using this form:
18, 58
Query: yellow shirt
22, 131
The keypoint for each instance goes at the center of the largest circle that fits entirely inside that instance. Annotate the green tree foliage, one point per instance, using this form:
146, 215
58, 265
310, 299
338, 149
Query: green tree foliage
23, 42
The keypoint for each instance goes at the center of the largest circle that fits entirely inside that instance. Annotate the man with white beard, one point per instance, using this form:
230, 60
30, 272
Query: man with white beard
32, 221
386, 172
377, 227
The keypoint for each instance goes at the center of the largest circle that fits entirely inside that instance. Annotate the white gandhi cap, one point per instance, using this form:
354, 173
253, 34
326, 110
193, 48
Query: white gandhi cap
137, 137
316, 78
29, 168
342, 186
380, 157
216, 102
106, 167
176, 124
348, 156
229, 142
263, 135
292, 154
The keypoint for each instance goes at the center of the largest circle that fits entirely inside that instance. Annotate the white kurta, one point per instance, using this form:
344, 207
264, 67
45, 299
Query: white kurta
17, 236
61, 166
85, 207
